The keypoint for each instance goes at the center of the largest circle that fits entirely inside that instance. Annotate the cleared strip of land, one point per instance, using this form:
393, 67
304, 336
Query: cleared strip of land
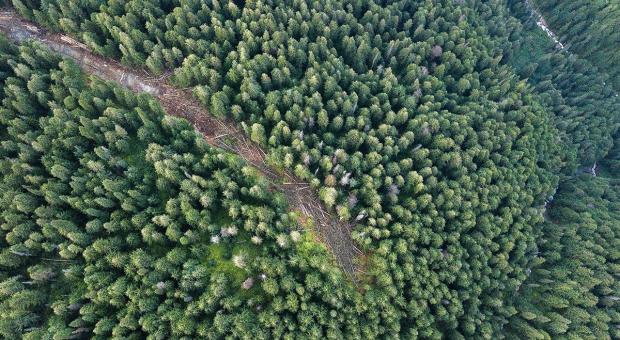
222, 133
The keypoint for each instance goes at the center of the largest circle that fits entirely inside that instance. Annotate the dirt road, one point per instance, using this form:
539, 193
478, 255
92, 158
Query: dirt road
222, 133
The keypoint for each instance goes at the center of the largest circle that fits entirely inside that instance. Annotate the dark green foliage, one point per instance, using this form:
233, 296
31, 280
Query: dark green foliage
585, 109
590, 29
573, 289
213, 44
400, 114
406, 116
584, 106
117, 221
611, 164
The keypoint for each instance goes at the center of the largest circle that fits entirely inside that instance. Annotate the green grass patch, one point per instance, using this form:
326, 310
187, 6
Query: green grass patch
219, 257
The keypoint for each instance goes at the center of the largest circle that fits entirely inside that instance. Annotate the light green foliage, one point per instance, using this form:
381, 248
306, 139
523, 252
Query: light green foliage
409, 119
572, 291
610, 166
119, 222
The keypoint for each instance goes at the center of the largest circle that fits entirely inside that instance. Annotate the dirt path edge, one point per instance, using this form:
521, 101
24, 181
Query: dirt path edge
221, 133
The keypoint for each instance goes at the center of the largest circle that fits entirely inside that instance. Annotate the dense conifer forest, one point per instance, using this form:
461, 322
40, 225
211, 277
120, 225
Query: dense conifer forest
573, 288
590, 28
478, 160
120, 221
572, 88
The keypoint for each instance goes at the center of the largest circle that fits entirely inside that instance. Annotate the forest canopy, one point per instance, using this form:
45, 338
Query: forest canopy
441, 129
400, 114
573, 289
119, 221
571, 87
590, 29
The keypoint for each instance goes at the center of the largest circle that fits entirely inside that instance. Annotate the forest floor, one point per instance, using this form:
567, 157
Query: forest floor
219, 132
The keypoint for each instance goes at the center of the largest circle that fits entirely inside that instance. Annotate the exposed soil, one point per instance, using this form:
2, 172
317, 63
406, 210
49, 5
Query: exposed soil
221, 133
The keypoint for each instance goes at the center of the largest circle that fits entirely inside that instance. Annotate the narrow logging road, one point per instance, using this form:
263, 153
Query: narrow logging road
542, 23
221, 133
